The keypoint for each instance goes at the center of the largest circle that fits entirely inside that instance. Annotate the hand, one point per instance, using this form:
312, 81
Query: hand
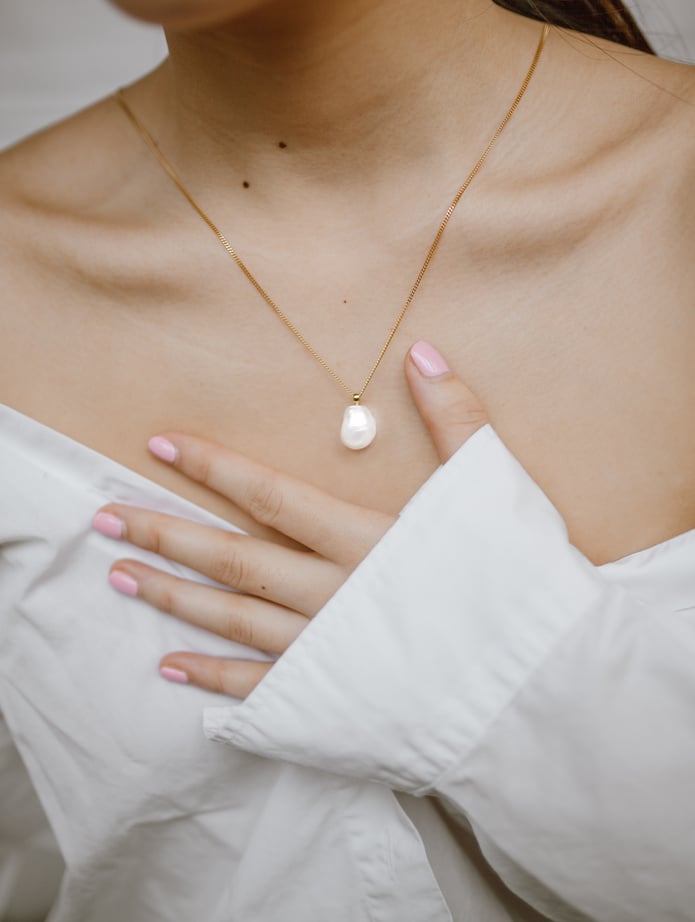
279, 589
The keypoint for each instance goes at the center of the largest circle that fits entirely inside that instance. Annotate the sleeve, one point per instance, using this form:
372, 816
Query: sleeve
476, 655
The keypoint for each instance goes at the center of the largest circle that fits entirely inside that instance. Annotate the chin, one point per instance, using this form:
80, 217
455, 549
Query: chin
188, 14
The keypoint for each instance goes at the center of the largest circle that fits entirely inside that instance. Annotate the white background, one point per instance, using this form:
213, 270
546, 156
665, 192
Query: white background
58, 55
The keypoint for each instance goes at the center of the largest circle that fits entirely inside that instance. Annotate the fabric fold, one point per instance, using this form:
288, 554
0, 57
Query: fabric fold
476, 655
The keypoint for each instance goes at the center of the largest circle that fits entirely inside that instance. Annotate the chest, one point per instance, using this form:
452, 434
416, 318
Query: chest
579, 348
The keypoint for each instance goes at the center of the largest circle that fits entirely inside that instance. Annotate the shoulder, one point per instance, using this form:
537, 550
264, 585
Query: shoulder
626, 119
52, 185
67, 177
630, 96
75, 230
36, 169
77, 210
612, 124
604, 165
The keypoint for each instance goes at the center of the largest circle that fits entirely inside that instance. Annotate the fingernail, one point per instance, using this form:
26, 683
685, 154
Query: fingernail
163, 448
124, 583
173, 675
428, 361
108, 524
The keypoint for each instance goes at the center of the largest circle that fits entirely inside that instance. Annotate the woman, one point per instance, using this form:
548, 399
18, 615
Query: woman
440, 665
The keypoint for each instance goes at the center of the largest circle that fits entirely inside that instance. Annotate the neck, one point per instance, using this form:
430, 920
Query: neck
337, 95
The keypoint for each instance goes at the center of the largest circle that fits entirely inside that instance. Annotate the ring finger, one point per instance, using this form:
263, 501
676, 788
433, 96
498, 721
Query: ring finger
300, 580
243, 618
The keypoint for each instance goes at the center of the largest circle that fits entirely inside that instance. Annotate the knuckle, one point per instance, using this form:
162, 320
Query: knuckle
199, 466
265, 500
153, 536
240, 627
229, 567
166, 600
461, 412
217, 679
164, 591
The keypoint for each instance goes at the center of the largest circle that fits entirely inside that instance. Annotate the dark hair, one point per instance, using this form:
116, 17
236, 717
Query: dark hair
604, 18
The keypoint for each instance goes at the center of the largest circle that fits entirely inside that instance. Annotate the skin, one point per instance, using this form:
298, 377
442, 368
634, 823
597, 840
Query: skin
561, 293
279, 589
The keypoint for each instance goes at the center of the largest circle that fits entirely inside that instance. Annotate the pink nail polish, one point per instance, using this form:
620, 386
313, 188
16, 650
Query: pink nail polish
163, 448
124, 583
108, 524
428, 361
173, 675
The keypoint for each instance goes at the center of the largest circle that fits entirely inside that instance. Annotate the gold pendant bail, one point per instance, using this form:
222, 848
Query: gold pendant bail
356, 398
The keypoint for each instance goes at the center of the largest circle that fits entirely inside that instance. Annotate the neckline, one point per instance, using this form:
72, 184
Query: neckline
152, 485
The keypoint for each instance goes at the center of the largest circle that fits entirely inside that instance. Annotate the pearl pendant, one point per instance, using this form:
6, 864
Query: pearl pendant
359, 427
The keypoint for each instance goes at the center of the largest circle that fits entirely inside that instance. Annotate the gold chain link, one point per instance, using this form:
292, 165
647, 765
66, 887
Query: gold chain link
356, 395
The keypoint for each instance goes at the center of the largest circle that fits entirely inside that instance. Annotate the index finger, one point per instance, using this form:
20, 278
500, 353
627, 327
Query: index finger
338, 530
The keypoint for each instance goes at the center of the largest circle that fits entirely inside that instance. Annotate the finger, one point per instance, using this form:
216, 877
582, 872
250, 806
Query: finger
233, 615
234, 677
336, 529
299, 580
450, 410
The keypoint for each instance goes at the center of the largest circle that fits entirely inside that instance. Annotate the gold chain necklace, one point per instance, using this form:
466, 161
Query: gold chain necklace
359, 426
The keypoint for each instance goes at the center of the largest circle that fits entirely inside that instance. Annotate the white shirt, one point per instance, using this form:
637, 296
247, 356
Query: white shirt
474, 658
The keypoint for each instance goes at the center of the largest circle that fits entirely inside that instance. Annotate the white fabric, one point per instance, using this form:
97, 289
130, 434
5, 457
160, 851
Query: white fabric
474, 655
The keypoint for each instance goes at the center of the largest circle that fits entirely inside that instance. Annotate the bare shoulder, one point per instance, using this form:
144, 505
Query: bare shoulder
76, 210
638, 93
71, 175
635, 123
620, 62
53, 186
73, 224
628, 120
56, 168
669, 165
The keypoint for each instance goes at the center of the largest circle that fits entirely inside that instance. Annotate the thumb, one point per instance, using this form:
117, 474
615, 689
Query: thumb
451, 411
